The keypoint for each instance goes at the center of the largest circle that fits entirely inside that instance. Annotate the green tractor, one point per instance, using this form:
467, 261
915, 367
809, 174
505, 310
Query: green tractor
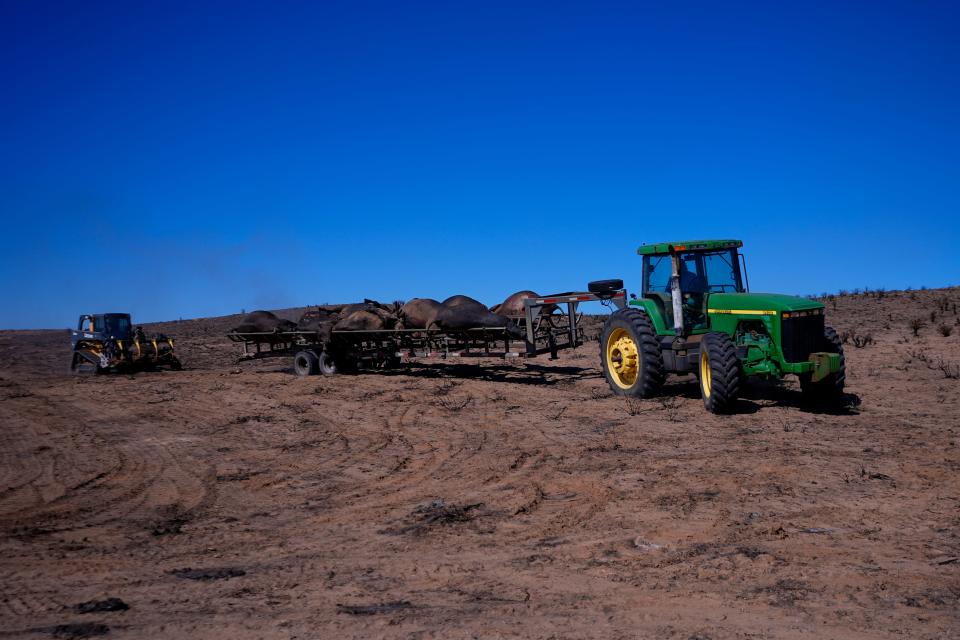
695, 315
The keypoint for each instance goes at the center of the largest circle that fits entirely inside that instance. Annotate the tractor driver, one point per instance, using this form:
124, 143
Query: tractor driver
690, 282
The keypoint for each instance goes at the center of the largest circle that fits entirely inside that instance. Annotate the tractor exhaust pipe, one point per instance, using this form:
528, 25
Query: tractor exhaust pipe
676, 295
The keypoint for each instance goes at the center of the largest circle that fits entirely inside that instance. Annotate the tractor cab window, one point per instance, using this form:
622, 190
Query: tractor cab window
656, 284
659, 270
98, 323
117, 325
86, 324
709, 272
720, 272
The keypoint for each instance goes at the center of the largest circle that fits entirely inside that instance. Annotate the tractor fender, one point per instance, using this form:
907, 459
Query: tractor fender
650, 308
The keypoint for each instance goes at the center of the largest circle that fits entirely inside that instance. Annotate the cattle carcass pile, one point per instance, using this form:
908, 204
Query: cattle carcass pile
331, 338
456, 313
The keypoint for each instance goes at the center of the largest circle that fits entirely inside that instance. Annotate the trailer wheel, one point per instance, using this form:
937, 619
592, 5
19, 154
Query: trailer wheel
719, 373
630, 355
305, 363
327, 365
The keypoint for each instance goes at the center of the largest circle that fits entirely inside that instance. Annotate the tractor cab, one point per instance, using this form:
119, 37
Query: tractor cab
105, 326
678, 278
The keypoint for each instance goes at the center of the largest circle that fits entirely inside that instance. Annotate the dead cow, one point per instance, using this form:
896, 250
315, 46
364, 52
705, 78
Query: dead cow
463, 312
513, 307
264, 322
313, 318
419, 313
367, 318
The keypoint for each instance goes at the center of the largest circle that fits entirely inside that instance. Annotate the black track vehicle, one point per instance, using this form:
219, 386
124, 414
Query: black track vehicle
109, 342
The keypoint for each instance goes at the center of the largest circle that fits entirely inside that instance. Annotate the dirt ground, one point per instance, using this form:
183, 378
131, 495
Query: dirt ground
490, 500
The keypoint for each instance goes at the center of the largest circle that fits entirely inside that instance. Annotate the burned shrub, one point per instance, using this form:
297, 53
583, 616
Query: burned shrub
915, 325
861, 341
949, 370
945, 330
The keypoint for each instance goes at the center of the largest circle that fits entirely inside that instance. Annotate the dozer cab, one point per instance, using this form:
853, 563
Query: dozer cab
108, 342
695, 315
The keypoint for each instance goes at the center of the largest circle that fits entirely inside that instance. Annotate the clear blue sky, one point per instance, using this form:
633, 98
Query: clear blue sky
198, 158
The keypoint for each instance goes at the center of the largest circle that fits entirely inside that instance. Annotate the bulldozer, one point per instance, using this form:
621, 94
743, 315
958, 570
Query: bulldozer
105, 342
695, 314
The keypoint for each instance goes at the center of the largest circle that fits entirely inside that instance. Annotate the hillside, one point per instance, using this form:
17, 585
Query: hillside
491, 499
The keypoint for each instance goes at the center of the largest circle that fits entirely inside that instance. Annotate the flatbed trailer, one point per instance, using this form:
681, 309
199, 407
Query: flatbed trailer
329, 352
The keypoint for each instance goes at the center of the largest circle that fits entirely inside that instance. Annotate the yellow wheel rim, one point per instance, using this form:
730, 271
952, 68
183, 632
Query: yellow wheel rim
623, 359
705, 373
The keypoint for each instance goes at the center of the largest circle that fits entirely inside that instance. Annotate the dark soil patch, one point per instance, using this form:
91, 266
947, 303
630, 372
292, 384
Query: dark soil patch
110, 604
437, 513
786, 593
169, 527
76, 630
220, 573
373, 609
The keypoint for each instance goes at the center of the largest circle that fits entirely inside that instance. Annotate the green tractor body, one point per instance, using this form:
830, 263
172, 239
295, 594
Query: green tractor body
695, 315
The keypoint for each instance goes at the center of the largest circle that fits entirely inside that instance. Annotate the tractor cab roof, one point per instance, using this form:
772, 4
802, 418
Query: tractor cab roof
658, 248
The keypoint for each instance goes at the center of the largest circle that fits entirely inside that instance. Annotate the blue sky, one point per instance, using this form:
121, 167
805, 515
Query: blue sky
193, 159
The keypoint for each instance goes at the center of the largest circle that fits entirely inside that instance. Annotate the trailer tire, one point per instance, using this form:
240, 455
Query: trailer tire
326, 364
630, 355
719, 372
305, 363
830, 389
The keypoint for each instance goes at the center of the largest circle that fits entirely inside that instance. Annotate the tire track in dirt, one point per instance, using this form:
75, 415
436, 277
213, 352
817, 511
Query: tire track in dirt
132, 478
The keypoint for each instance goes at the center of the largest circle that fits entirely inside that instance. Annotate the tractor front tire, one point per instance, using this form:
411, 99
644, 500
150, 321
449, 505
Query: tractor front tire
830, 389
719, 373
630, 355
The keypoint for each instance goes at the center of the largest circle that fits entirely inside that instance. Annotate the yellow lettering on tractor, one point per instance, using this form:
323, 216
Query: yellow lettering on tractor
744, 312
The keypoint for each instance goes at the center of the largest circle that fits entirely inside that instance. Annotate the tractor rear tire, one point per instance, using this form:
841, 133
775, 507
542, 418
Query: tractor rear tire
630, 355
305, 363
326, 364
719, 373
830, 389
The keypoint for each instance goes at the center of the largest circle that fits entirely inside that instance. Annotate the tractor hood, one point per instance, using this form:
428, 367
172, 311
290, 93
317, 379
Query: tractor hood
732, 302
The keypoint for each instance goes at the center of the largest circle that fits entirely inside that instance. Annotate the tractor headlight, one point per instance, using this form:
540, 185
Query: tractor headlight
801, 314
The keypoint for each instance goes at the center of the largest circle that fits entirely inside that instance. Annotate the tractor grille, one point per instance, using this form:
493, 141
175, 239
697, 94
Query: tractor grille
800, 337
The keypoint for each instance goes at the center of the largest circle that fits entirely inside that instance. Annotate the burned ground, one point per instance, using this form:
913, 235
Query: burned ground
496, 499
